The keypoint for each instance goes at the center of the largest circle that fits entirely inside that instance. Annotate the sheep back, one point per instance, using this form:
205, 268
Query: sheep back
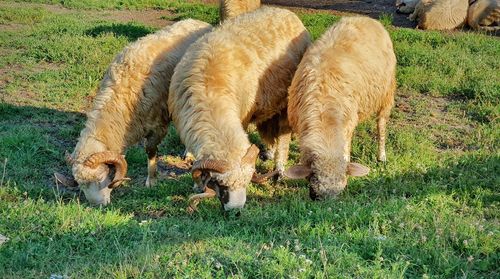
441, 14
233, 8
131, 99
484, 14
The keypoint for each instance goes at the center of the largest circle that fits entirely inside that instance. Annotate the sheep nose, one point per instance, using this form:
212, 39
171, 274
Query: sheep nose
236, 200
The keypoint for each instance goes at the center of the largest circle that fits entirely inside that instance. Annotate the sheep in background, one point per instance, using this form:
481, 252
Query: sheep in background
440, 14
231, 77
344, 77
406, 6
484, 15
233, 8
131, 104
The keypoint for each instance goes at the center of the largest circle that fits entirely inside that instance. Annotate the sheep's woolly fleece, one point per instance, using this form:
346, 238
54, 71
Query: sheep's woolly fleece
233, 76
233, 8
345, 77
131, 102
440, 14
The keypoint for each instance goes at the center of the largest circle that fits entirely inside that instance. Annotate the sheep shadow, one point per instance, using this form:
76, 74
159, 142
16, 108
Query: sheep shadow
139, 240
131, 31
33, 141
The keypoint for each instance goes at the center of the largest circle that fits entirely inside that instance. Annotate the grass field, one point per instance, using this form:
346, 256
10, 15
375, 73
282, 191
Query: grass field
432, 211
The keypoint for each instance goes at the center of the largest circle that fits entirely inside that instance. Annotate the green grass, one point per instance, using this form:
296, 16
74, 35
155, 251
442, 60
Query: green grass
431, 211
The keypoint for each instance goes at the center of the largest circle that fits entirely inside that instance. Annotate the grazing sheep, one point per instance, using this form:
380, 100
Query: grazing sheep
440, 14
344, 77
233, 8
131, 104
231, 77
406, 6
484, 15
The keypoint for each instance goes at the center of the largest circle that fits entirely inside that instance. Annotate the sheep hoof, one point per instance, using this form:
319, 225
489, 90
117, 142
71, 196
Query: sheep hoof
191, 209
382, 158
150, 182
267, 155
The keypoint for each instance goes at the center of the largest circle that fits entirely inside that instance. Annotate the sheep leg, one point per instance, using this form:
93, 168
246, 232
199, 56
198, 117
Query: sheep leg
383, 116
276, 132
283, 145
152, 151
270, 152
282, 149
268, 131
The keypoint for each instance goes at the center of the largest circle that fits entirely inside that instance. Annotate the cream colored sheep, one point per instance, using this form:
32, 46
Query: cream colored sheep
345, 77
440, 14
233, 8
131, 105
484, 15
406, 6
236, 75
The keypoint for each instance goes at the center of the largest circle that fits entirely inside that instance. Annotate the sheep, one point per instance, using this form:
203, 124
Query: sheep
406, 6
233, 8
130, 105
231, 77
344, 77
484, 15
440, 14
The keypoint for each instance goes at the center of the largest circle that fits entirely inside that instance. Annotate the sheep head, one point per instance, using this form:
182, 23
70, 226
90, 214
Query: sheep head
92, 175
327, 178
228, 182
406, 6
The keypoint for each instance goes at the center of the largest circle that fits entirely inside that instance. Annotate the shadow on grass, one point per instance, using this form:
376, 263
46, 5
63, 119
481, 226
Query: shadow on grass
278, 219
130, 30
33, 141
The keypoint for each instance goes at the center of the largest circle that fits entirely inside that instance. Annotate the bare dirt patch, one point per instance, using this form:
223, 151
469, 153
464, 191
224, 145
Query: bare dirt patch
155, 18
443, 118
371, 8
11, 27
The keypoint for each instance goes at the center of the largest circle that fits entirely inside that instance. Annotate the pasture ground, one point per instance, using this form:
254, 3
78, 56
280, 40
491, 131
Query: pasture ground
432, 211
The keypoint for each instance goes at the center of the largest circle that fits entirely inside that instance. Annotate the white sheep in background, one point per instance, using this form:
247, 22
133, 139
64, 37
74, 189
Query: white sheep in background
406, 6
236, 75
131, 105
440, 14
484, 15
233, 8
345, 77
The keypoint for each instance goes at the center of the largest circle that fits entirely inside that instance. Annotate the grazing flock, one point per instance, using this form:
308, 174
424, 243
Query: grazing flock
450, 14
258, 67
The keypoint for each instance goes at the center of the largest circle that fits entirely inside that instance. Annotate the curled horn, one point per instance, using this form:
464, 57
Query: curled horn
210, 165
112, 158
249, 158
261, 178
68, 158
194, 200
251, 155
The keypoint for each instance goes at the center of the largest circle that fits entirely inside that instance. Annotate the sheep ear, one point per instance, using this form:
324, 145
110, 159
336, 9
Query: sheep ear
297, 172
355, 169
68, 158
65, 181
117, 182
